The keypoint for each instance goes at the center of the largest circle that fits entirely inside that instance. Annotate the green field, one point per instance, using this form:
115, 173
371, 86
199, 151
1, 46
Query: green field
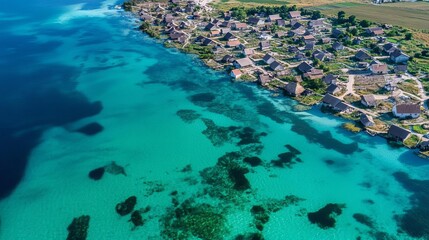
413, 15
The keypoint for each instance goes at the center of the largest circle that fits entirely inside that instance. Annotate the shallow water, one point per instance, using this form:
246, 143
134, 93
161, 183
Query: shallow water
74, 64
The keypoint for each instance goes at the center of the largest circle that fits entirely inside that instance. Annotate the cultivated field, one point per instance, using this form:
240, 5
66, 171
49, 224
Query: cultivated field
227, 4
413, 15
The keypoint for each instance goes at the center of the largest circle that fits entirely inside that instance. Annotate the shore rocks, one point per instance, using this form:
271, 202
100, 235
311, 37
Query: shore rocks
325, 217
97, 173
78, 229
127, 206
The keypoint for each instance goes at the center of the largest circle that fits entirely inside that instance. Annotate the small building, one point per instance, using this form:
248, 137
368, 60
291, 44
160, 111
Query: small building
243, 62
336, 33
268, 59
280, 34
304, 67
330, 101
368, 100
309, 46
357, 41
337, 46
389, 48
397, 133
366, 120
308, 39
299, 56
248, 52
378, 68
233, 43
319, 56
239, 26
406, 110
229, 36
330, 79
362, 56
255, 21
264, 45
294, 14
391, 86
326, 40
264, 79
398, 56
296, 25
209, 27
333, 89
281, 23
276, 66
236, 73
215, 33
208, 42
228, 59
400, 68
292, 49
314, 74
375, 31
294, 89
274, 18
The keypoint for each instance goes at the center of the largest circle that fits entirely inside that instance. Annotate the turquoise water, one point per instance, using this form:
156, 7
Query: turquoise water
89, 65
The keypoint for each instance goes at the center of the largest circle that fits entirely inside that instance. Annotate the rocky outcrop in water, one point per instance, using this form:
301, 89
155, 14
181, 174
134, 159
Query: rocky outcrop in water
325, 217
78, 229
97, 173
137, 219
188, 116
127, 206
253, 161
287, 158
115, 169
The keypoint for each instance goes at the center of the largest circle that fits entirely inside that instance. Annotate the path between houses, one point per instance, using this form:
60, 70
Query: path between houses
350, 89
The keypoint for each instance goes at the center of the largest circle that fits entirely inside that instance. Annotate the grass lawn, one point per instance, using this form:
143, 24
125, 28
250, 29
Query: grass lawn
411, 141
419, 129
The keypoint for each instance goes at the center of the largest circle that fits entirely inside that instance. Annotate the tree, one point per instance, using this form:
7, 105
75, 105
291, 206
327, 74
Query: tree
353, 31
408, 36
365, 23
239, 13
352, 20
341, 15
316, 15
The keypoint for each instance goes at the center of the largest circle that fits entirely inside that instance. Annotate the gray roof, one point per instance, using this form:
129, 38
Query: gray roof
304, 67
264, 44
332, 88
369, 99
365, 119
294, 88
268, 58
408, 108
243, 62
361, 55
329, 79
331, 100
276, 66
398, 133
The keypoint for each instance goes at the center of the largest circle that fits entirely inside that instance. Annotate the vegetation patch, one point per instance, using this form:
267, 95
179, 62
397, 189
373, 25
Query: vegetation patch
352, 127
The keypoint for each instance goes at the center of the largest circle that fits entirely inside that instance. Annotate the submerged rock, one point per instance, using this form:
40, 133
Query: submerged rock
78, 229
364, 219
97, 173
91, 129
415, 221
250, 236
287, 158
127, 206
115, 169
253, 161
325, 217
137, 219
240, 181
188, 116
191, 220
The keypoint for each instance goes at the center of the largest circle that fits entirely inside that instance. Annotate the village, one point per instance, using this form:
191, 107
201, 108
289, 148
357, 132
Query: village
346, 65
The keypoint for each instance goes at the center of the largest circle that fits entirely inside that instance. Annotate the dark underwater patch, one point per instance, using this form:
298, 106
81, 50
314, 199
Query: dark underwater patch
202, 98
364, 219
237, 175
287, 158
269, 110
78, 229
187, 115
415, 221
91, 129
127, 206
97, 173
253, 161
325, 217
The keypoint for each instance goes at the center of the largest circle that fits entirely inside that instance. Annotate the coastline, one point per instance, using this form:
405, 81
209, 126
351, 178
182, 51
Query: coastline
278, 86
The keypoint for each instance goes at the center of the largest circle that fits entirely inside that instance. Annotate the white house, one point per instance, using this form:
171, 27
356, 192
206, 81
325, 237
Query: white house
236, 73
406, 110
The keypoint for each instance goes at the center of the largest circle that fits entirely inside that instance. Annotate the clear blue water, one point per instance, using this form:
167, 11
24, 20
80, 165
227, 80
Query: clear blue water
66, 64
